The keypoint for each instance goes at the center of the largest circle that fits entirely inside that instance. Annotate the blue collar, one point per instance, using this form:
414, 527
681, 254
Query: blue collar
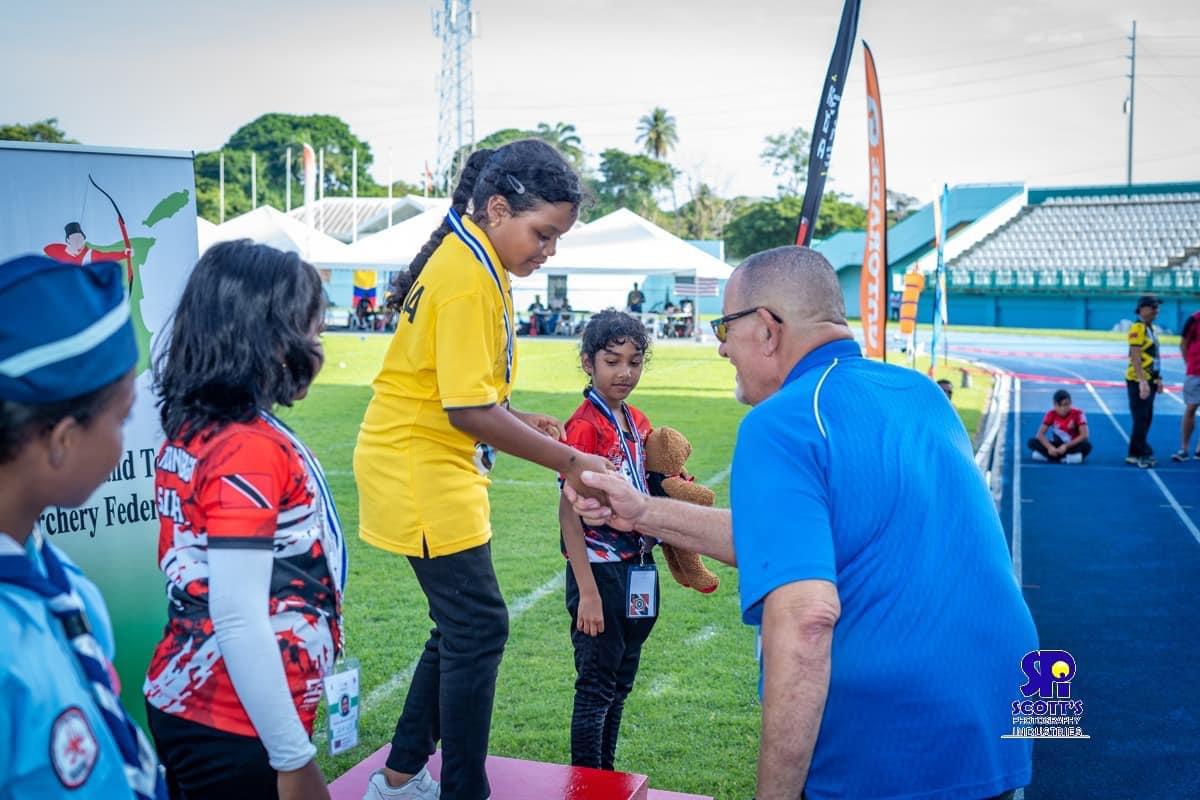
825, 354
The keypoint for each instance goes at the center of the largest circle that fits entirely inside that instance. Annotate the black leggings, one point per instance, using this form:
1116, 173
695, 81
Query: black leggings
452, 691
605, 666
1083, 448
1142, 412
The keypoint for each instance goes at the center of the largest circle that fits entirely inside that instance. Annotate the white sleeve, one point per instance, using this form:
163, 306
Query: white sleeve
239, 587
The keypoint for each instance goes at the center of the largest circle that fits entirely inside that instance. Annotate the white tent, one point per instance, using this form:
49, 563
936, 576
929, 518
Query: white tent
267, 225
394, 247
206, 233
624, 243
600, 262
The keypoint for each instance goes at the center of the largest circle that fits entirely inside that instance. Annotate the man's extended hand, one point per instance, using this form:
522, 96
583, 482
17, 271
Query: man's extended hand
626, 505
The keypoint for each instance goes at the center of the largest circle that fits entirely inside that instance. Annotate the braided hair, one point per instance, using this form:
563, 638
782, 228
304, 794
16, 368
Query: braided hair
525, 173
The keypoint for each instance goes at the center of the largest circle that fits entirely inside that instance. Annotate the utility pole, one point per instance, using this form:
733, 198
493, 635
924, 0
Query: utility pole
222, 184
454, 24
1129, 103
253, 180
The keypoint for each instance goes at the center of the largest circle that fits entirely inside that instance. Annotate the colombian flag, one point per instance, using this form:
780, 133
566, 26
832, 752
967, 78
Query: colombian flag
364, 286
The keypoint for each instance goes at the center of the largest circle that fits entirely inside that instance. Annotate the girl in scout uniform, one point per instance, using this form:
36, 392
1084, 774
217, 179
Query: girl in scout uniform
249, 538
439, 414
66, 387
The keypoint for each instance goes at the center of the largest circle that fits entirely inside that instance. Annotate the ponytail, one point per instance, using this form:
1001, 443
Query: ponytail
462, 195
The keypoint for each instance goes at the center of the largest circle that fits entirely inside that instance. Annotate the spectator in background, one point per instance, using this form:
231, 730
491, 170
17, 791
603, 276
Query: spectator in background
1189, 346
1063, 435
894, 306
1143, 380
635, 300
947, 387
536, 305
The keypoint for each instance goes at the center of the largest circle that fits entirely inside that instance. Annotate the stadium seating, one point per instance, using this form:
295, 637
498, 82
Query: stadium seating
1090, 243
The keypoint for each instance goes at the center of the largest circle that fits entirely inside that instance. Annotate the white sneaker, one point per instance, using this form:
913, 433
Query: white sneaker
1073, 458
421, 786
1037, 456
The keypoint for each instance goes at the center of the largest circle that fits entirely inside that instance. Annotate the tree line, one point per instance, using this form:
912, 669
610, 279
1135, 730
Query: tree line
643, 182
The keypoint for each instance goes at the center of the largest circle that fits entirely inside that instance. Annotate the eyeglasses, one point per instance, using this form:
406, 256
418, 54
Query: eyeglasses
721, 326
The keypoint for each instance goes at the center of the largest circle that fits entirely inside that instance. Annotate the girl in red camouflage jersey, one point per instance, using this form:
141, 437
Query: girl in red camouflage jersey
249, 541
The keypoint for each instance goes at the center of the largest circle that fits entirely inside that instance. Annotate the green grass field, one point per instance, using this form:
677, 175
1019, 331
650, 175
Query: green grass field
691, 723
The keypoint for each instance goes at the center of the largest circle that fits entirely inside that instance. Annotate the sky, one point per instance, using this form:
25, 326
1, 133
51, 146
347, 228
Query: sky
972, 90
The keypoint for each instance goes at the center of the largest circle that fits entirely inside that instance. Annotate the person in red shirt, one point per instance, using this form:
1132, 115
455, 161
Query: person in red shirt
1189, 346
604, 563
1063, 435
75, 250
250, 541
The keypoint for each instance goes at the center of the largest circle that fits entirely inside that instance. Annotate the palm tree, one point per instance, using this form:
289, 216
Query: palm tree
656, 133
563, 136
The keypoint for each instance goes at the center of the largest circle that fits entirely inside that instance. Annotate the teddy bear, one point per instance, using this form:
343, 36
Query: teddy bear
667, 450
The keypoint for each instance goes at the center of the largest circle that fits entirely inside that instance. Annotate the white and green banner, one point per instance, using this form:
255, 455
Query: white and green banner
137, 208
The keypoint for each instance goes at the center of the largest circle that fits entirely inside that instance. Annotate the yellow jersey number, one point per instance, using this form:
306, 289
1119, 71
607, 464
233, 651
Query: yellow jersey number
412, 301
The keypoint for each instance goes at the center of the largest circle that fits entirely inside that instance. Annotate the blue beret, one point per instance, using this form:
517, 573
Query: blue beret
64, 331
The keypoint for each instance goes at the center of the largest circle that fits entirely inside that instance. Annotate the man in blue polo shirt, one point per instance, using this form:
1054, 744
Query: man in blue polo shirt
870, 555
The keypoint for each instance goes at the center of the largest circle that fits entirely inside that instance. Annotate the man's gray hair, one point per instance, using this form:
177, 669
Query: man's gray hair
797, 282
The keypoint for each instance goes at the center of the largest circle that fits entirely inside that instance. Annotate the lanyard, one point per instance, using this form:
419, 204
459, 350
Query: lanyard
636, 459
332, 539
481, 254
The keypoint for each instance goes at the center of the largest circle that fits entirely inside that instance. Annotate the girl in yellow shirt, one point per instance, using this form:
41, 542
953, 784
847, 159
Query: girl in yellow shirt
429, 438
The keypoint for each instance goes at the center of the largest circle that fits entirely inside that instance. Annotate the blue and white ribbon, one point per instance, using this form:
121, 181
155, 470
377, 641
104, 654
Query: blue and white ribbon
637, 458
332, 538
481, 254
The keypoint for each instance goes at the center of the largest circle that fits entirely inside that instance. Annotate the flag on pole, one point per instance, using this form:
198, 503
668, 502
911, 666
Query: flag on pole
821, 149
691, 286
872, 289
940, 206
309, 163
365, 281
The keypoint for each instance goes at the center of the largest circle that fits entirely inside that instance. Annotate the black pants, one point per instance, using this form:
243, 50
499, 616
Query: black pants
1142, 412
1083, 448
450, 698
605, 666
204, 763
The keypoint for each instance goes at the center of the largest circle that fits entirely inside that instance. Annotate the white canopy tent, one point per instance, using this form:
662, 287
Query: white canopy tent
601, 261
394, 247
267, 225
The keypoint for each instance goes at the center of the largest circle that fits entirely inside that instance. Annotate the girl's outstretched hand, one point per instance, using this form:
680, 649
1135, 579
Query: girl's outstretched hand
618, 503
544, 423
587, 462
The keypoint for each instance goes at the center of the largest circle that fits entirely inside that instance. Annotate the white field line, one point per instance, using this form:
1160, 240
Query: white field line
702, 635
1162, 487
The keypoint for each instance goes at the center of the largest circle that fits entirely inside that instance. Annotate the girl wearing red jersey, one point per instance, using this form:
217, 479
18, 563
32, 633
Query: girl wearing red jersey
612, 587
249, 540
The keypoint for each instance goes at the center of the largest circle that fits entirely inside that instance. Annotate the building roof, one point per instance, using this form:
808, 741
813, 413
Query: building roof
335, 216
914, 234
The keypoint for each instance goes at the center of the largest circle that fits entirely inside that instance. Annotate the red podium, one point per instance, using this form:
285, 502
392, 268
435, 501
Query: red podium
513, 779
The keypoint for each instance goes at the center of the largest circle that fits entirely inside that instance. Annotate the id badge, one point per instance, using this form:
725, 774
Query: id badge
642, 600
341, 705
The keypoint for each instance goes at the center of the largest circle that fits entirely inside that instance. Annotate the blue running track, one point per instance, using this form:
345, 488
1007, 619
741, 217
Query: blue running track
1109, 559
